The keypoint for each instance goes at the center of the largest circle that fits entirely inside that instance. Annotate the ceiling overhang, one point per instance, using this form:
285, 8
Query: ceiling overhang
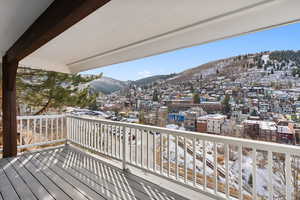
124, 30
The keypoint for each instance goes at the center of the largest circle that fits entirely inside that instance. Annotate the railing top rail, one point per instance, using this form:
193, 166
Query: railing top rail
259, 145
40, 116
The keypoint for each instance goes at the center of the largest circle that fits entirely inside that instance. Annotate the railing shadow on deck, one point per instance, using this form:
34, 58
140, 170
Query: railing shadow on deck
103, 177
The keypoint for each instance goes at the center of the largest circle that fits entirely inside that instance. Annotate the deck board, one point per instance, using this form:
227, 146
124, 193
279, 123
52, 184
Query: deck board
51, 187
66, 173
112, 178
134, 183
97, 184
17, 182
67, 187
68, 177
131, 183
35, 186
6, 189
119, 189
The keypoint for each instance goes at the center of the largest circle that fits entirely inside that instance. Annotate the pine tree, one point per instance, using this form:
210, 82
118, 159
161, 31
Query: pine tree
254, 113
155, 96
196, 98
226, 104
250, 180
45, 89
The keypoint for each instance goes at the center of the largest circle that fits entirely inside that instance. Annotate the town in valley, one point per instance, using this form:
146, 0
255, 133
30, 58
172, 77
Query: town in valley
254, 96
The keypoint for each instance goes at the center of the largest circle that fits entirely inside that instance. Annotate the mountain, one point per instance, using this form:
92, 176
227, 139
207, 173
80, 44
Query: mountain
151, 79
265, 68
107, 85
220, 67
287, 62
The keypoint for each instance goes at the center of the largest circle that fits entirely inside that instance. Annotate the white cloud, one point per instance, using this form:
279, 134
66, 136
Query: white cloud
144, 74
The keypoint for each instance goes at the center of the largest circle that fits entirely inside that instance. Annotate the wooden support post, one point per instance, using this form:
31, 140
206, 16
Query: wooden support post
9, 119
58, 17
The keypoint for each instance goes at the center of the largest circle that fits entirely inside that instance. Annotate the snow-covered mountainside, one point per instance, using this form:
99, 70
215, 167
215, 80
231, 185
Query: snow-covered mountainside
263, 67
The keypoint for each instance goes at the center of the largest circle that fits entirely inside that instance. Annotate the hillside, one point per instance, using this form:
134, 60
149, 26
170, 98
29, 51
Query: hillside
220, 67
260, 68
107, 85
269, 66
151, 79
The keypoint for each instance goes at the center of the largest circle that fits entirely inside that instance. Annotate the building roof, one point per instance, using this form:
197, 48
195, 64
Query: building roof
285, 129
212, 117
264, 125
126, 30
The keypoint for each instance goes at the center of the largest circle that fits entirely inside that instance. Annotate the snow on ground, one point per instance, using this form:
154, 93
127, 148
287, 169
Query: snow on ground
265, 58
262, 176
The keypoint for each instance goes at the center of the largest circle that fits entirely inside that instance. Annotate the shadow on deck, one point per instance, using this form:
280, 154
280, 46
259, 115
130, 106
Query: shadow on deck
66, 173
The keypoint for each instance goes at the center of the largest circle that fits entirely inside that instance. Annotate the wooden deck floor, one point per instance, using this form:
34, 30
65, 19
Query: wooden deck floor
65, 173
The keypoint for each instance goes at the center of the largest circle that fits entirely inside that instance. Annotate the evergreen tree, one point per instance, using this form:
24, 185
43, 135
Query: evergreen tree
155, 95
45, 89
196, 98
250, 180
226, 104
254, 113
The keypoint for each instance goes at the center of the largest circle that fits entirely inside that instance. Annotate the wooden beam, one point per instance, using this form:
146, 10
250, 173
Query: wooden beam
9, 110
57, 18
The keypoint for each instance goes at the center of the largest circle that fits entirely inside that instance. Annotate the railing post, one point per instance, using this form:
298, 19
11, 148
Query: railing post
124, 148
67, 128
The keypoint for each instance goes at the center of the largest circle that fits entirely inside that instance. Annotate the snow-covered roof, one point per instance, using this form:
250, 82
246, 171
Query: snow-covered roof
124, 30
212, 116
284, 129
264, 125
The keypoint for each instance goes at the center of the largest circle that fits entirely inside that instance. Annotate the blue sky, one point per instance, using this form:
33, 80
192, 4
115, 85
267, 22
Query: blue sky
281, 38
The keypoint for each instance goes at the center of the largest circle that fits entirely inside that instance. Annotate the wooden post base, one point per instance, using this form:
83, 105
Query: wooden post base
9, 119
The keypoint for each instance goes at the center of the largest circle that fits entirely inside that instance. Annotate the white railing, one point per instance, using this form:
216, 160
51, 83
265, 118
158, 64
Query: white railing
35, 131
39, 131
223, 166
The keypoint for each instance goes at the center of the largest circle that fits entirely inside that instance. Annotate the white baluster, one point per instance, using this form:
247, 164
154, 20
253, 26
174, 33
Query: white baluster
130, 145
176, 157
56, 128
288, 176
215, 168
34, 131
52, 134
168, 155
115, 152
185, 160
161, 153
148, 152
142, 146
120, 141
40, 133
154, 151
240, 176
123, 131
21, 132
227, 170
270, 173
194, 162
136, 147
204, 164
